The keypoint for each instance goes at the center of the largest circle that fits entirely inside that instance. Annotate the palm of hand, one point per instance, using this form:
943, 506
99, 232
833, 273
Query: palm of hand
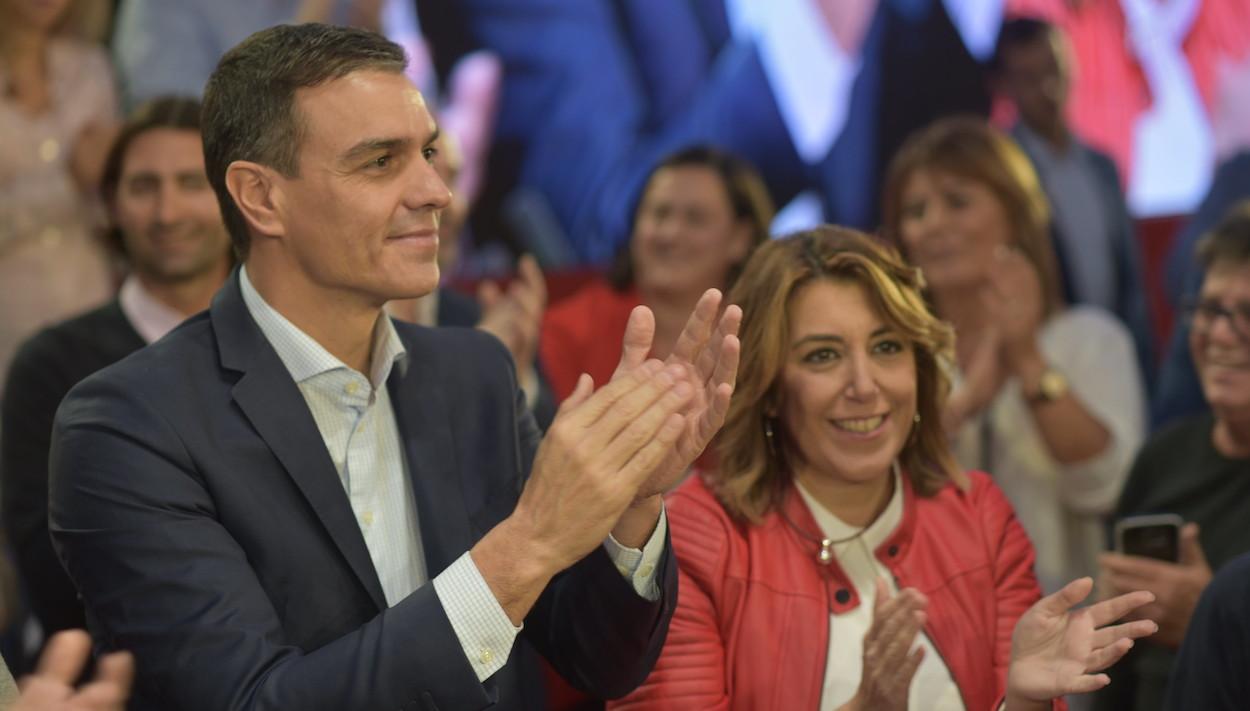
1050, 653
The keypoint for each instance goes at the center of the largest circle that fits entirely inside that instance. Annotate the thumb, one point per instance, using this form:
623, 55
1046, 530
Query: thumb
639, 334
1191, 546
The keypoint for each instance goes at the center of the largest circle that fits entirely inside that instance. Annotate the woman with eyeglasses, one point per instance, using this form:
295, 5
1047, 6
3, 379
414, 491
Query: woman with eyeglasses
1198, 468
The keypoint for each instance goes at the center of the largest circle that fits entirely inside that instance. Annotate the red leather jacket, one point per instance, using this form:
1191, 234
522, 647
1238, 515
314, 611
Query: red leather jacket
751, 629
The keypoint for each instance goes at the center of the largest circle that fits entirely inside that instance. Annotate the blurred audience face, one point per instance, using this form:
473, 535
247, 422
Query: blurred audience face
848, 387
362, 213
165, 209
951, 228
448, 162
1034, 76
686, 237
1220, 344
38, 15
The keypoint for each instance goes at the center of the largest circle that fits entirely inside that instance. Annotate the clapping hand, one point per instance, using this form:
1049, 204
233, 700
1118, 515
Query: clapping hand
890, 661
1056, 650
706, 353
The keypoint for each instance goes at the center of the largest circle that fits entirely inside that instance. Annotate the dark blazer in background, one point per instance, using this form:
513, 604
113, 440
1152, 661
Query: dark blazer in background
456, 309
45, 368
1130, 285
195, 506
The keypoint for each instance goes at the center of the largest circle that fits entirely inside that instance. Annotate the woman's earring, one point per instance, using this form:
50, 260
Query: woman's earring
768, 436
916, 419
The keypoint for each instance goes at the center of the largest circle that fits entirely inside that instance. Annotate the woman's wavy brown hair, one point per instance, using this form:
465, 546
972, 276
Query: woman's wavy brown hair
967, 147
753, 475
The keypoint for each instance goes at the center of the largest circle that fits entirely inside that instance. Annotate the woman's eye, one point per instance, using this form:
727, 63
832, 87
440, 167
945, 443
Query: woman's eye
888, 347
821, 355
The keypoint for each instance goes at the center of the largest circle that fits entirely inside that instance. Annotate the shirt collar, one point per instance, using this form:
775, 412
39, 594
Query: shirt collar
149, 316
876, 533
303, 356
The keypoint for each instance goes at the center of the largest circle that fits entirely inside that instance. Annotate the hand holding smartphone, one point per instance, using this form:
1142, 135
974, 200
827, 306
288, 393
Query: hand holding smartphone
1155, 536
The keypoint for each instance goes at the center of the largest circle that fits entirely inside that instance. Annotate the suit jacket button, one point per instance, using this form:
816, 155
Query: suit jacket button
843, 596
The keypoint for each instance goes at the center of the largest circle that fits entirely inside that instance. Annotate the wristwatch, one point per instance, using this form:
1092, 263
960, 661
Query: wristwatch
1051, 386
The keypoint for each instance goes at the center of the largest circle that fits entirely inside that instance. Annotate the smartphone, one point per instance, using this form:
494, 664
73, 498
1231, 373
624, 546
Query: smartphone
1155, 536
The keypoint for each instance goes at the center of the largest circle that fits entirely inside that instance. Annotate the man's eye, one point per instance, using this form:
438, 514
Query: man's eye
429, 153
381, 162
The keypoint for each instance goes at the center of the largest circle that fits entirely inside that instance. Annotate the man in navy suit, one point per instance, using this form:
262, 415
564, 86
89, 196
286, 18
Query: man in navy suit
293, 502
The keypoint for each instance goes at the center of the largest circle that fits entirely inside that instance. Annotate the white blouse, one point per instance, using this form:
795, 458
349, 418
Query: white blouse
1063, 507
932, 688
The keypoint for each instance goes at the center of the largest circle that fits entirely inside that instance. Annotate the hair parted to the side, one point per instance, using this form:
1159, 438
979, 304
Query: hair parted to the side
1228, 243
752, 476
249, 102
748, 198
967, 147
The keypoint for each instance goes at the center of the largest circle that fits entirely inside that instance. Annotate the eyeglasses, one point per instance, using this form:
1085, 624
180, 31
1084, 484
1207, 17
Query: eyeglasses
1202, 315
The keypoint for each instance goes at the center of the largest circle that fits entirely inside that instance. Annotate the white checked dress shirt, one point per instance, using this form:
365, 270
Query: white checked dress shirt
356, 421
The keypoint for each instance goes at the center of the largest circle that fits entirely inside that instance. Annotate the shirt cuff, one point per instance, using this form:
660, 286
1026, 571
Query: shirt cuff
640, 567
486, 634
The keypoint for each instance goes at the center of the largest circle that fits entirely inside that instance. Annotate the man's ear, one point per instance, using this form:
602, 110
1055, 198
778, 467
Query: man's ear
258, 194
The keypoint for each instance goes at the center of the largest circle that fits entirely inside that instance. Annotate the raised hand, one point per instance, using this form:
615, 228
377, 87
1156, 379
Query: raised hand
1056, 650
706, 353
51, 687
598, 451
890, 663
515, 316
1015, 304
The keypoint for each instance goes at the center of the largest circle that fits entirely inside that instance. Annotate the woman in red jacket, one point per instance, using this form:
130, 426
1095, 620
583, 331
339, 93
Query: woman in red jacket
838, 559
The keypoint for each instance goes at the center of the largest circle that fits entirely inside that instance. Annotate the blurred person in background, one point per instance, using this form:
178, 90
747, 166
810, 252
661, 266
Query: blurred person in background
838, 557
58, 113
513, 315
1047, 398
702, 213
1094, 237
166, 225
1196, 467
170, 47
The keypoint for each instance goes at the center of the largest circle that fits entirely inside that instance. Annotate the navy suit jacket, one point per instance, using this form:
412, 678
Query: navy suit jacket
196, 508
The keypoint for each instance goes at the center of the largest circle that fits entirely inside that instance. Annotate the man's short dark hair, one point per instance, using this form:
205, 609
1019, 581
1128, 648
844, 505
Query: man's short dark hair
249, 102
179, 113
1229, 242
1018, 32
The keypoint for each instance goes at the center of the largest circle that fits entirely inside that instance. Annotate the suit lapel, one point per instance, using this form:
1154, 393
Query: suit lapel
272, 402
421, 411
